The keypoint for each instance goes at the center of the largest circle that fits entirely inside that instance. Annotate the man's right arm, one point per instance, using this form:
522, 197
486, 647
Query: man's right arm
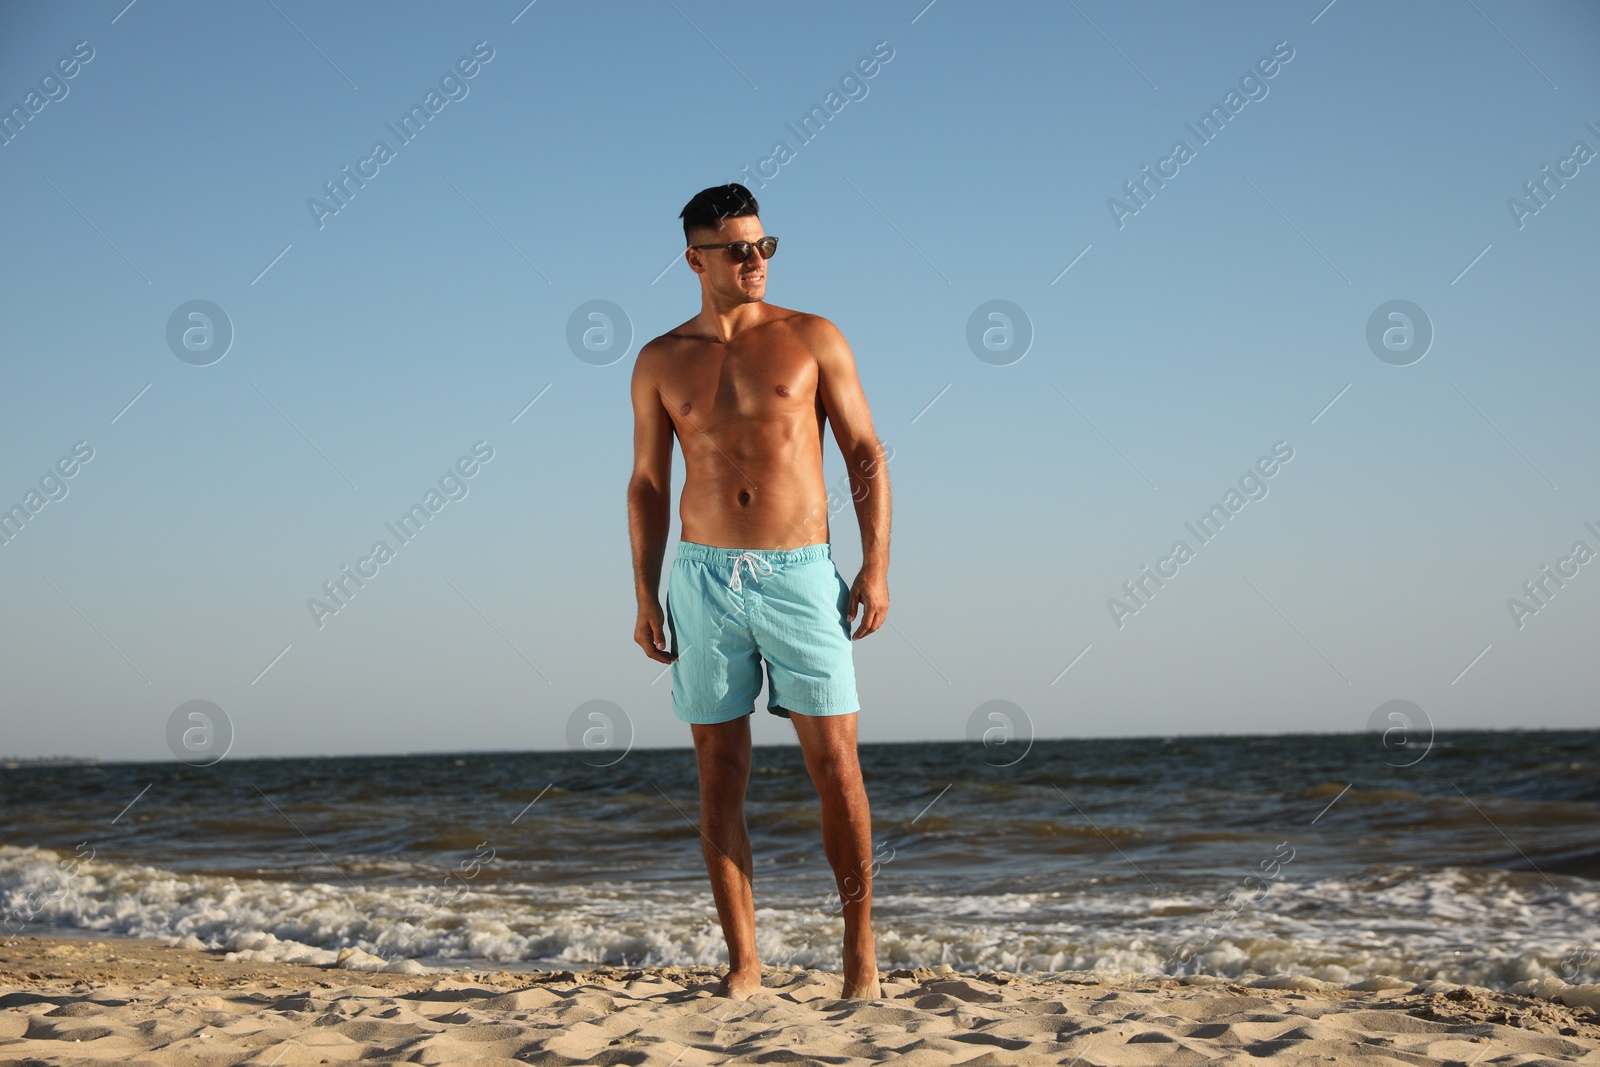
649, 502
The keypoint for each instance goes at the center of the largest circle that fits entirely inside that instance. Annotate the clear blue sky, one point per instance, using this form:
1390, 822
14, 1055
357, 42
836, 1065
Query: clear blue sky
374, 346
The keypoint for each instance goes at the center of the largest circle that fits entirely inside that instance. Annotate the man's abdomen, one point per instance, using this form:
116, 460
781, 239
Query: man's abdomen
776, 504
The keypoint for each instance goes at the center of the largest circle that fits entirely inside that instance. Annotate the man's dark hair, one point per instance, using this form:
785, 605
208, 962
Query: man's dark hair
710, 206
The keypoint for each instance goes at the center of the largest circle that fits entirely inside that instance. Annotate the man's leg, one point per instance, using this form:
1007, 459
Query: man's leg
722, 753
829, 745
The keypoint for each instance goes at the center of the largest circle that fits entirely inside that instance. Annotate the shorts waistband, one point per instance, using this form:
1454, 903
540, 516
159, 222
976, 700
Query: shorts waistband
691, 550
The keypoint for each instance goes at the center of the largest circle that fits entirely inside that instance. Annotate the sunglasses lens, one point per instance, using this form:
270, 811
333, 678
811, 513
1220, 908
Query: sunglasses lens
768, 245
739, 251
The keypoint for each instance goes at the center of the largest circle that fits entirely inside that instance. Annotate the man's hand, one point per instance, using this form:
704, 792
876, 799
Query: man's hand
871, 593
650, 634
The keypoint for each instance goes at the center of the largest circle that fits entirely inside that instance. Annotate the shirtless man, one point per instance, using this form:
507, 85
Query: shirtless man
746, 387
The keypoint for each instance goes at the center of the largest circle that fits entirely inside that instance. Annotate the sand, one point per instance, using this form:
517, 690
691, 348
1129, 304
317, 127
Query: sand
69, 1001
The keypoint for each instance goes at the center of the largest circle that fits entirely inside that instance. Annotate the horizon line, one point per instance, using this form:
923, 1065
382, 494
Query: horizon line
9, 762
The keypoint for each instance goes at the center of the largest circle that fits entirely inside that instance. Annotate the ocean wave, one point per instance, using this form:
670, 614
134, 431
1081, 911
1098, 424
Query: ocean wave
1485, 927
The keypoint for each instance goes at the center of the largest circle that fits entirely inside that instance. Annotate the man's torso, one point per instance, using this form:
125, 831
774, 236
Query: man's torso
749, 418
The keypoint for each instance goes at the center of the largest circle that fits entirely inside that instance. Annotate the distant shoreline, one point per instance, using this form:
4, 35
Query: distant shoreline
20, 762
12, 763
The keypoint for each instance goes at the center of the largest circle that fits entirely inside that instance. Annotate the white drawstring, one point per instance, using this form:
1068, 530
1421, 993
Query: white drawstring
752, 560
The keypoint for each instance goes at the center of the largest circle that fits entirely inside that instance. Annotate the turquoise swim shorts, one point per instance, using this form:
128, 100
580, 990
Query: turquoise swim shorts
729, 610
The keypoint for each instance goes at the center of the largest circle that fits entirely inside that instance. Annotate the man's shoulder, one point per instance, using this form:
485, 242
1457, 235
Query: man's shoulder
677, 335
806, 324
792, 317
663, 345
820, 335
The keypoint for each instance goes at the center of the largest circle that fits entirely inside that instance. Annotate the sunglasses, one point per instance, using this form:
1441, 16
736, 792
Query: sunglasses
739, 251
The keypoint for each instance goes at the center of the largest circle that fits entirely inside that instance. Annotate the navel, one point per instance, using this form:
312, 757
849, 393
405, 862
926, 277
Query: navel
783, 390
683, 409
744, 496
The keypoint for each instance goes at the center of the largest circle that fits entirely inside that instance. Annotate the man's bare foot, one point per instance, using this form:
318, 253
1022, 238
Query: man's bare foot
738, 985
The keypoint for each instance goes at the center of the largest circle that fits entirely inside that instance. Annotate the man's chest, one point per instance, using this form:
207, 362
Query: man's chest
719, 382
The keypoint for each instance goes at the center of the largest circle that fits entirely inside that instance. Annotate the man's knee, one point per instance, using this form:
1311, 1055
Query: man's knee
837, 775
724, 777
724, 767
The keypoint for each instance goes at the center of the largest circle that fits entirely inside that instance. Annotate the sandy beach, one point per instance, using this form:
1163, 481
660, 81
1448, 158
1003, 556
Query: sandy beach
66, 1001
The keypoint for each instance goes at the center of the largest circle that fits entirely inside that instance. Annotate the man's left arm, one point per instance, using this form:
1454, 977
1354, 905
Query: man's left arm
845, 404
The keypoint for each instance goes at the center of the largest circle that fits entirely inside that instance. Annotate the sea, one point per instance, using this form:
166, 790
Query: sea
1469, 857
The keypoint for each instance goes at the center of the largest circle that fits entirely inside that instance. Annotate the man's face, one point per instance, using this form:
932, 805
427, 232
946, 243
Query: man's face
745, 281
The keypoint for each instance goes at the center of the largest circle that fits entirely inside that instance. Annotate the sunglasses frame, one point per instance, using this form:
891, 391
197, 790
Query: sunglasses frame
751, 246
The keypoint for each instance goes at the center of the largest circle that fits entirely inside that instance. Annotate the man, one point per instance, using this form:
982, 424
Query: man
746, 387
